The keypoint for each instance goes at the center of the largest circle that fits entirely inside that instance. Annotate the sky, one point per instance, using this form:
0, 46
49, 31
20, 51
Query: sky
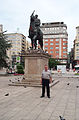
15, 15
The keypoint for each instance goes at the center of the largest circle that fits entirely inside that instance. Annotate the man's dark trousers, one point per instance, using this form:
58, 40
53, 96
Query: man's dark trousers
45, 82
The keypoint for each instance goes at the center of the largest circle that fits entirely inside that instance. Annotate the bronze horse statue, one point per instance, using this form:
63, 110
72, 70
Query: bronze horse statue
35, 32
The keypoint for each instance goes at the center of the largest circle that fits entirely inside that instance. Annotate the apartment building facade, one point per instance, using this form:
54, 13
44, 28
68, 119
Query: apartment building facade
18, 42
76, 46
55, 40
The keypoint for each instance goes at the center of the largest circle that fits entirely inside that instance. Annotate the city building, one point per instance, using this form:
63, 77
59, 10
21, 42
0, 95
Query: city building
1, 28
18, 42
70, 60
28, 45
55, 40
76, 46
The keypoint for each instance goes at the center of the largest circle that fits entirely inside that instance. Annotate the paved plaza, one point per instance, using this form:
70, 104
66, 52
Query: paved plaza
25, 103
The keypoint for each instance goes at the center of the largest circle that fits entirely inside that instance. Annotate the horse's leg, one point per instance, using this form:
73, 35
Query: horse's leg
41, 43
32, 43
35, 43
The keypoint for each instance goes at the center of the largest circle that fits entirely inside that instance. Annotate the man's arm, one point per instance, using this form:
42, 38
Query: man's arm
50, 79
41, 80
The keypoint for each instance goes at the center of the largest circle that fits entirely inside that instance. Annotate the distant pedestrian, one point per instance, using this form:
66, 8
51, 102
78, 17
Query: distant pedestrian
45, 80
74, 70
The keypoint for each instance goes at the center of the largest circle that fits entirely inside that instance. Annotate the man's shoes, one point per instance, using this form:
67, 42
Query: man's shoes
48, 96
41, 96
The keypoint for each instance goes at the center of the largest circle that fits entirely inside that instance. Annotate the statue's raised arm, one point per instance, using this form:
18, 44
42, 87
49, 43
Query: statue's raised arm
32, 17
32, 13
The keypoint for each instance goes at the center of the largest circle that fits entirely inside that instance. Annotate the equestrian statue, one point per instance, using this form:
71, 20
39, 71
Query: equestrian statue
35, 32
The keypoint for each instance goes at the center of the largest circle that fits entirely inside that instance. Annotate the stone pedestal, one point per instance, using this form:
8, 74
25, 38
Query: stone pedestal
34, 65
35, 61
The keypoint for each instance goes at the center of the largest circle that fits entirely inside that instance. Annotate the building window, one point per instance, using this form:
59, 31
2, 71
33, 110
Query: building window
13, 52
46, 40
64, 39
64, 51
51, 47
51, 40
64, 56
64, 28
57, 56
46, 51
46, 47
64, 47
51, 51
23, 41
23, 37
57, 43
51, 43
46, 43
77, 57
13, 49
77, 49
19, 53
51, 55
64, 43
57, 39
57, 47
77, 44
57, 51
11, 36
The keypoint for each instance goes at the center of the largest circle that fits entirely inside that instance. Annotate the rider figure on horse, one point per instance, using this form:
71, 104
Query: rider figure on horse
34, 30
34, 24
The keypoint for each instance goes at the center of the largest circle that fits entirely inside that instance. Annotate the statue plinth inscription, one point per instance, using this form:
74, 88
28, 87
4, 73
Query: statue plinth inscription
34, 65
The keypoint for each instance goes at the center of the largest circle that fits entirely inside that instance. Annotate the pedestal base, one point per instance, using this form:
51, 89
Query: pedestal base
35, 61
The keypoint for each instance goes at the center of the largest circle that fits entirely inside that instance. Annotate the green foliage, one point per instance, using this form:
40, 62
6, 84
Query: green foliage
76, 73
20, 69
4, 45
53, 63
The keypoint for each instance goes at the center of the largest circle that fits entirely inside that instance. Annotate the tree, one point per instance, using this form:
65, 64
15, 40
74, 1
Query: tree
53, 63
20, 69
4, 45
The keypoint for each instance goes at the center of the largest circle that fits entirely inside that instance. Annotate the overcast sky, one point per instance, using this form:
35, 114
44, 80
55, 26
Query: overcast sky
15, 14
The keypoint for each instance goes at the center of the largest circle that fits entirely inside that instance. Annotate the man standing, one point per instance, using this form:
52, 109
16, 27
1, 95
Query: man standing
45, 80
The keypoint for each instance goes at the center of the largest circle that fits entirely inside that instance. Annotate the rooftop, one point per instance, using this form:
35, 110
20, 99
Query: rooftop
54, 24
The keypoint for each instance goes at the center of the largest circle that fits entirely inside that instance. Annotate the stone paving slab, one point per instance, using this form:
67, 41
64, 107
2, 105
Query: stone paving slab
32, 84
26, 104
